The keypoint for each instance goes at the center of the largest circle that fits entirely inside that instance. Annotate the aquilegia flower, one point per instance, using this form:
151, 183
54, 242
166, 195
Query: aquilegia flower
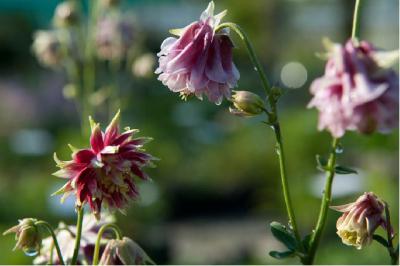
360, 219
27, 236
200, 60
358, 91
124, 252
114, 36
47, 48
66, 235
105, 172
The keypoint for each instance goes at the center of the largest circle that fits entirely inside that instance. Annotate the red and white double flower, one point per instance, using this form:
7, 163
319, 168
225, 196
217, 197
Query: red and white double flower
105, 173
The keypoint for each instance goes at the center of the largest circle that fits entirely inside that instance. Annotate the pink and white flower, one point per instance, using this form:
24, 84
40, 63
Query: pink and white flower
104, 173
360, 219
358, 91
199, 61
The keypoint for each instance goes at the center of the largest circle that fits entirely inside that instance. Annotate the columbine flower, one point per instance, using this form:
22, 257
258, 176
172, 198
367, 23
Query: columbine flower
124, 252
105, 172
358, 91
360, 219
200, 60
27, 236
66, 14
47, 48
114, 37
66, 238
246, 104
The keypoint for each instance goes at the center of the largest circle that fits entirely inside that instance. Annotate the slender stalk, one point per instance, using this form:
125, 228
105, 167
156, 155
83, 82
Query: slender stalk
326, 199
55, 242
356, 20
273, 116
118, 235
78, 236
392, 252
257, 66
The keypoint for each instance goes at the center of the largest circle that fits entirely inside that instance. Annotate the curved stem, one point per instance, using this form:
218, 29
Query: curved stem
257, 66
117, 232
78, 236
326, 199
356, 20
273, 116
392, 252
53, 235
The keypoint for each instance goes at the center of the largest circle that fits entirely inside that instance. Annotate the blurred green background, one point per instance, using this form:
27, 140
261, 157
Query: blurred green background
216, 188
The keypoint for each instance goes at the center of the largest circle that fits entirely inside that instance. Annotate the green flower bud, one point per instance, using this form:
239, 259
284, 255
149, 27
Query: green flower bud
247, 103
27, 236
69, 91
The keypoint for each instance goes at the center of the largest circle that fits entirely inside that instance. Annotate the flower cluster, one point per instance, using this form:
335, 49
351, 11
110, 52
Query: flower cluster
105, 172
358, 91
360, 219
199, 61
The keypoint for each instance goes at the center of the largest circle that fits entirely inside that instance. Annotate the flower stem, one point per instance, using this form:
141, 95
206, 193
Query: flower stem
117, 232
55, 242
356, 20
78, 236
394, 256
326, 199
273, 116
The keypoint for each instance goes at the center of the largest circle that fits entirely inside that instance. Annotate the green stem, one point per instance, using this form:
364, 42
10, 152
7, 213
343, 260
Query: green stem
356, 20
285, 184
326, 200
78, 236
273, 116
53, 235
117, 232
257, 66
392, 252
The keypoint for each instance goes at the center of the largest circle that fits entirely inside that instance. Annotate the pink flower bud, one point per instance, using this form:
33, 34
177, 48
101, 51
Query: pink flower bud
105, 172
358, 91
360, 219
124, 252
199, 61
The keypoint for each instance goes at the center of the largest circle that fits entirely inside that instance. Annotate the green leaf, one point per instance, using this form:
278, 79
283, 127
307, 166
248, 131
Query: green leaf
321, 162
281, 255
282, 234
343, 170
381, 240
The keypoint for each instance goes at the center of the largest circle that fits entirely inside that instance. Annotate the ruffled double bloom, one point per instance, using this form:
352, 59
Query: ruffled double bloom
358, 91
199, 61
105, 173
360, 219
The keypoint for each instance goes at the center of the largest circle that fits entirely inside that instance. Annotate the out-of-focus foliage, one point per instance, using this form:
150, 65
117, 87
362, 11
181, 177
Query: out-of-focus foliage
216, 187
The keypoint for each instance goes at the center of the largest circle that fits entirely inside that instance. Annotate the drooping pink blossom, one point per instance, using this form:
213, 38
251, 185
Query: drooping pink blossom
360, 219
358, 90
104, 173
199, 61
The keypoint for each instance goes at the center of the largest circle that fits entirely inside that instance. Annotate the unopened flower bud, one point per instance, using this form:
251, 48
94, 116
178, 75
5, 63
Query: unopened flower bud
109, 3
247, 103
27, 236
66, 14
360, 219
124, 252
69, 91
143, 66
